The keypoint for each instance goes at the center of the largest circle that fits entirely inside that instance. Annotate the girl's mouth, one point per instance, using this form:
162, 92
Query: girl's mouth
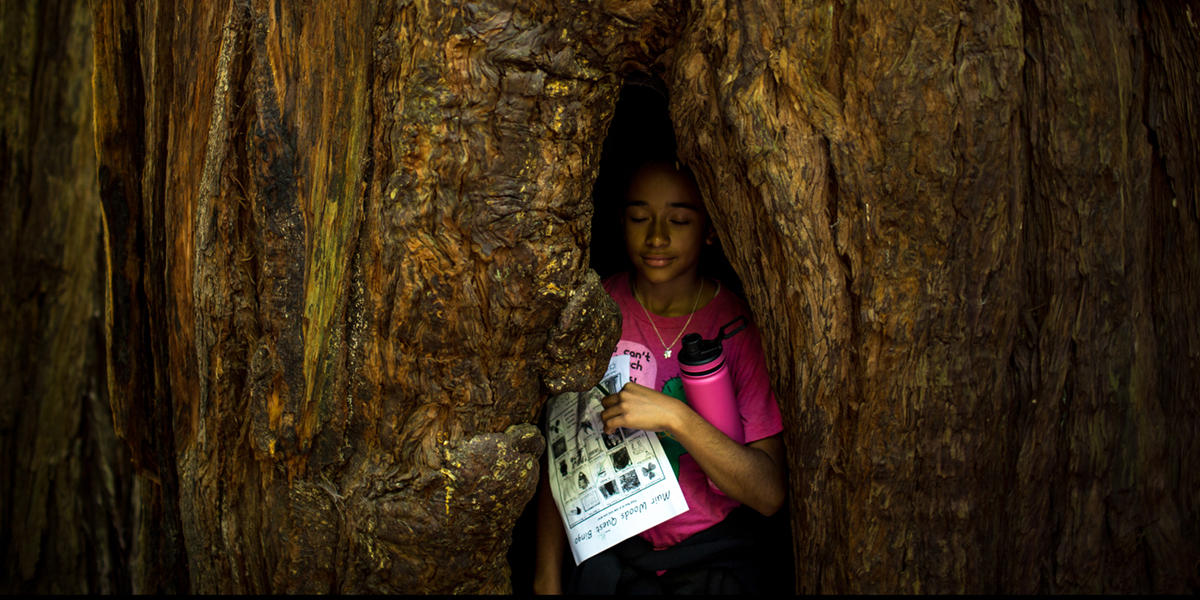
656, 261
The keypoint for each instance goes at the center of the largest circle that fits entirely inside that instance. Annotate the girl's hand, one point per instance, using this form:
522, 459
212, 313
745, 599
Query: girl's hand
752, 474
639, 407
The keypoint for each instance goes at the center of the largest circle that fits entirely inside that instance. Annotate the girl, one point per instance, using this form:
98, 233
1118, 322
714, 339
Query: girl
706, 549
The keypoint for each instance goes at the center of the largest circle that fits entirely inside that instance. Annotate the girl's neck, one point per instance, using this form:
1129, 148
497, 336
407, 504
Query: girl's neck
673, 298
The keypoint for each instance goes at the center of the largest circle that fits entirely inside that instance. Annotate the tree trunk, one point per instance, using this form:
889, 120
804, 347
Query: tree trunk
941, 210
64, 486
365, 227
348, 264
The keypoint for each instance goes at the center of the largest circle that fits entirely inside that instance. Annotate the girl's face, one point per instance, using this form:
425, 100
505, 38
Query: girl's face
665, 226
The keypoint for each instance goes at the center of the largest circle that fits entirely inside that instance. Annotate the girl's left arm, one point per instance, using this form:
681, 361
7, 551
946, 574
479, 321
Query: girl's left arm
752, 474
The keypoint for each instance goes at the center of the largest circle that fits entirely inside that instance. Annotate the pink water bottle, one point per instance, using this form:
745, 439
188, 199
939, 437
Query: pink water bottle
707, 382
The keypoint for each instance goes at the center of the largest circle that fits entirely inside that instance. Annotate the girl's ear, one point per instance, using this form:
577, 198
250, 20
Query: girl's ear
710, 237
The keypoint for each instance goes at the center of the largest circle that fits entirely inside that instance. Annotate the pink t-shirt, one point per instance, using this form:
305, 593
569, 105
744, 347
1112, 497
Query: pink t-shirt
752, 387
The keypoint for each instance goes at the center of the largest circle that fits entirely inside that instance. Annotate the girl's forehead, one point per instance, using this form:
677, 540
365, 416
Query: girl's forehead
666, 187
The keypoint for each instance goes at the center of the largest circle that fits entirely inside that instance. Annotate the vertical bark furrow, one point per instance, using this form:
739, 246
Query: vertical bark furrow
277, 392
64, 480
1097, 398
118, 106
211, 254
1172, 41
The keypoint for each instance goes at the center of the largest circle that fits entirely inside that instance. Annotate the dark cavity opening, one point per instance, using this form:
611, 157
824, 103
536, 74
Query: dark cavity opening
641, 130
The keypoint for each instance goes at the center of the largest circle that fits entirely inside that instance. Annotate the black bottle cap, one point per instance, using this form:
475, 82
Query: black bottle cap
698, 351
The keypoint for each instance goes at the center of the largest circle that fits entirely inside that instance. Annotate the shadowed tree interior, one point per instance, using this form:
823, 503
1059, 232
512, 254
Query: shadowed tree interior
640, 131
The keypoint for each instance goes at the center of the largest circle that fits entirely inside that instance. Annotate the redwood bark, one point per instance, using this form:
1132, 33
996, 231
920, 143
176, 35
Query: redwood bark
64, 483
941, 209
368, 232
348, 264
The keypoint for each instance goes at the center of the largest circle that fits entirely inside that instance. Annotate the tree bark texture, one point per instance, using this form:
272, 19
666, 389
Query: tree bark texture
348, 262
349, 244
971, 228
64, 486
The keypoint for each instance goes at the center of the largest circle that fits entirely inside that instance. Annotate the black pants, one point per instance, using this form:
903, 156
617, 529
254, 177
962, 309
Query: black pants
727, 558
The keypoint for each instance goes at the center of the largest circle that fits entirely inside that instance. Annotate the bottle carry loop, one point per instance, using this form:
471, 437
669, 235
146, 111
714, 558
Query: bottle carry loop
724, 336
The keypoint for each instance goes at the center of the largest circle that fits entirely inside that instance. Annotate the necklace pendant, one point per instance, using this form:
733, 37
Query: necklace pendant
667, 354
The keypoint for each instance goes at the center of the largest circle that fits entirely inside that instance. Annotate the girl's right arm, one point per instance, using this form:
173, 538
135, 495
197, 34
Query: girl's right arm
551, 542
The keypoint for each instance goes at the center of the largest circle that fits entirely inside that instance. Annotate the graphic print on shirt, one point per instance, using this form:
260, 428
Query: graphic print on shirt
643, 370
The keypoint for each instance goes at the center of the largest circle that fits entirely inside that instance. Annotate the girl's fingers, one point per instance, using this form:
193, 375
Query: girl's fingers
609, 413
609, 417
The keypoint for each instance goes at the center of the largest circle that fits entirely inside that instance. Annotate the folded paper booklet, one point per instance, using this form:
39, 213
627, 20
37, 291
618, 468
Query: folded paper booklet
608, 487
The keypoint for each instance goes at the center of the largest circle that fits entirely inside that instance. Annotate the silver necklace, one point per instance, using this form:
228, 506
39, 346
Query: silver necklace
695, 303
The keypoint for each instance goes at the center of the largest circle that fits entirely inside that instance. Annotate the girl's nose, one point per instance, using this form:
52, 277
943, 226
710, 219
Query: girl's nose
657, 236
